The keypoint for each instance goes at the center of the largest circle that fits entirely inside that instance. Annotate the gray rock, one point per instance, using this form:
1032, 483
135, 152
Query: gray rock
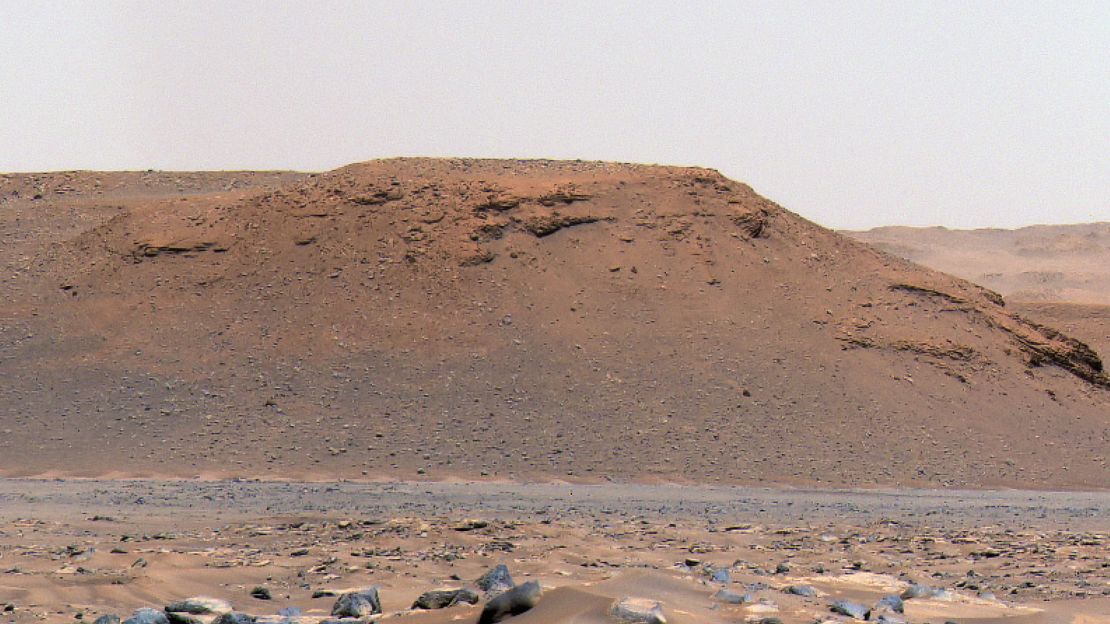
234, 617
851, 609
918, 591
807, 591
782, 568
721, 575
889, 618
639, 610
200, 605
262, 593
184, 618
892, 602
107, 619
512, 602
147, 616
770, 620
443, 598
358, 604
496, 581
728, 596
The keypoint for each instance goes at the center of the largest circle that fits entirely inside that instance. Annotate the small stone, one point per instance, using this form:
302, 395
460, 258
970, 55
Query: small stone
782, 568
721, 575
728, 596
261, 593
807, 591
107, 619
639, 610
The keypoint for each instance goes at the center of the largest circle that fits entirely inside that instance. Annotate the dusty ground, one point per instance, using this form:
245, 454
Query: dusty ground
83, 548
419, 318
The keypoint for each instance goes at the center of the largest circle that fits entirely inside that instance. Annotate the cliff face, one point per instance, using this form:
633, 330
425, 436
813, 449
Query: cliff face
527, 318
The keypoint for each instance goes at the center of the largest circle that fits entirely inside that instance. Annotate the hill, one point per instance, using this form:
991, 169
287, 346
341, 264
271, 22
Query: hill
509, 319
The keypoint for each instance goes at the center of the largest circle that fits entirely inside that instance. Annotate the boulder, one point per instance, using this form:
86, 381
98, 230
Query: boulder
807, 591
728, 596
200, 605
110, 618
185, 618
496, 581
234, 617
147, 616
851, 609
892, 602
918, 591
358, 604
639, 610
443, 598
511, 602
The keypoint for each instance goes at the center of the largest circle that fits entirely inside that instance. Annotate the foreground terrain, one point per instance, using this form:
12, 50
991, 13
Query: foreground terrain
79, 549
419, 318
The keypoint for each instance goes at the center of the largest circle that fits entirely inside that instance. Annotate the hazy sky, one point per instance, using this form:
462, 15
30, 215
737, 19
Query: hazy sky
853, 114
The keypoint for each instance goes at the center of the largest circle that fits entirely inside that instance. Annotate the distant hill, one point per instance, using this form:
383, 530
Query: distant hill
495, 319
1057, 263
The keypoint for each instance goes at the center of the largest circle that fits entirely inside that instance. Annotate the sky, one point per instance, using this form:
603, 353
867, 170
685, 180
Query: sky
852, 114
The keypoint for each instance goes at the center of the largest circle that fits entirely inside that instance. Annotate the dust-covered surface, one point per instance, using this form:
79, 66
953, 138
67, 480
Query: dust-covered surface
84, 548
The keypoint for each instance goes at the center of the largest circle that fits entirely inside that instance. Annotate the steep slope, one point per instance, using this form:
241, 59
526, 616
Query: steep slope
1038, 263
526, 319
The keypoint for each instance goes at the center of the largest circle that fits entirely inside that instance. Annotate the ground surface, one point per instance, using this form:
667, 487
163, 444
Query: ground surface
509, 319
92, 547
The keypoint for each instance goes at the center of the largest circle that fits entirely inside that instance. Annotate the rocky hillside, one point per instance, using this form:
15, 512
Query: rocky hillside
527, 319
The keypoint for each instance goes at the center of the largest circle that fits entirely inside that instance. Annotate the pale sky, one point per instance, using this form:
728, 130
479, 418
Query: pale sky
853, 114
